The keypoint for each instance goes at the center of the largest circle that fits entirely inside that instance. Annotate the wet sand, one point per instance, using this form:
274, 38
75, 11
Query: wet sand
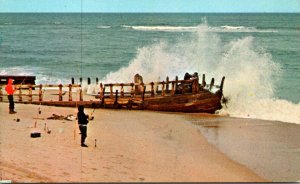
269, 148
131, 146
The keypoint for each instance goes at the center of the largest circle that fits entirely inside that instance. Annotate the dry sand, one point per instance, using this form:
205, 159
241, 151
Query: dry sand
131, 146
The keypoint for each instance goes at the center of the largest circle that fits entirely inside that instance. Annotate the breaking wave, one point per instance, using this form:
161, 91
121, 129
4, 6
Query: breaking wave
249, 71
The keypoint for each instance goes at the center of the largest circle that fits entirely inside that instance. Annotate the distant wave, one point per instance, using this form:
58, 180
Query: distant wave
162, 28
225, 28
103, 27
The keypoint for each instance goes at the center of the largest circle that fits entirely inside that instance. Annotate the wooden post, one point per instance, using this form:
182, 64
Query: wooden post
111, 90
163, 89
80, 94
1, 98
152, 89
222, 83
60, 92
41, 93
70, 92
101, 91
30, 93
20, 94
132, 90
211, 83
167, 84
173, 88
102, 95
88, 81
73, 81
122, 90
116, 98
176, 82
143, 95
203, 81
195, 85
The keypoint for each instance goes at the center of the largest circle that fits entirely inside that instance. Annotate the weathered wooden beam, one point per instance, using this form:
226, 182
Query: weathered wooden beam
152, 88
163, 89
60, 98
143, 95
88, 81
167, 84
101, 90
30, 93
40, 93
70, 92
173, 88
203, 80
20, 95
122, 90
132, 89
212, 82
80, 95
222, 84
111, 90
116, 98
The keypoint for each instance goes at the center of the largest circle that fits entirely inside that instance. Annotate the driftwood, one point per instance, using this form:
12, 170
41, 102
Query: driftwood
69, 117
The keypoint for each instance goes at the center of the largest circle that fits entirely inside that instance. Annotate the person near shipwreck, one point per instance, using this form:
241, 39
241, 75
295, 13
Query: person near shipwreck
83, 120
10, 95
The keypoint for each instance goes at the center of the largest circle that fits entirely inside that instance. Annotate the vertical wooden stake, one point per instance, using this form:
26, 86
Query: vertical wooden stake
60, 92
30, 93
163, 89
122, 90
80, 94
111, 90
70, 92
41, 93
116, 98
167, 84
152, 89
101, 91
132, 89
211, 83
173, 88
20, 93
203, 81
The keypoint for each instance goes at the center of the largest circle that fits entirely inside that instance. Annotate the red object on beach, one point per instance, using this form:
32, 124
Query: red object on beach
9, 88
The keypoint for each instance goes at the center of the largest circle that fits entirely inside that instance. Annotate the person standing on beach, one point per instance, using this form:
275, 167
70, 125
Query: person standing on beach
83, 120
10, 92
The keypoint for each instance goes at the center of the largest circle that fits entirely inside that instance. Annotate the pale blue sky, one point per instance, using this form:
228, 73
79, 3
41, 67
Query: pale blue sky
150, 6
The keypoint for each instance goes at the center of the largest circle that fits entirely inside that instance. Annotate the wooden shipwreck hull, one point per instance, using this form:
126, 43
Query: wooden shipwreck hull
173, 96
200, 102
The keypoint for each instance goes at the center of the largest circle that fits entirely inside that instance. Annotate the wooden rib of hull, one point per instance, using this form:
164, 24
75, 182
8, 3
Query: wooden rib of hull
201, 102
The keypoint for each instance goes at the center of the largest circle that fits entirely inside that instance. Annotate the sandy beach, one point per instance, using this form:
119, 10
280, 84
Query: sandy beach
124, 146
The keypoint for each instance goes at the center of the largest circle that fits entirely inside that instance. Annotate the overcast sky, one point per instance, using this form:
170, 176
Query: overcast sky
150, 6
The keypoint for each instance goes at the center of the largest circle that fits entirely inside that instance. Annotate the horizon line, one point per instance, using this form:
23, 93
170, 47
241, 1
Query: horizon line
151, 12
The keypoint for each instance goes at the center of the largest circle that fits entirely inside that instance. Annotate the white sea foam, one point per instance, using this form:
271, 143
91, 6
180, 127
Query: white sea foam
248, 69
103, 27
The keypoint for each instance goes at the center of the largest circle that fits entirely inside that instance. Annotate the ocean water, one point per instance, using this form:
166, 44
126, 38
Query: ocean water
257, 53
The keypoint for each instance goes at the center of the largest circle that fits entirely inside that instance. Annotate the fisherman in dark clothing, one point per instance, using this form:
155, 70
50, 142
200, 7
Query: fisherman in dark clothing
83, 120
